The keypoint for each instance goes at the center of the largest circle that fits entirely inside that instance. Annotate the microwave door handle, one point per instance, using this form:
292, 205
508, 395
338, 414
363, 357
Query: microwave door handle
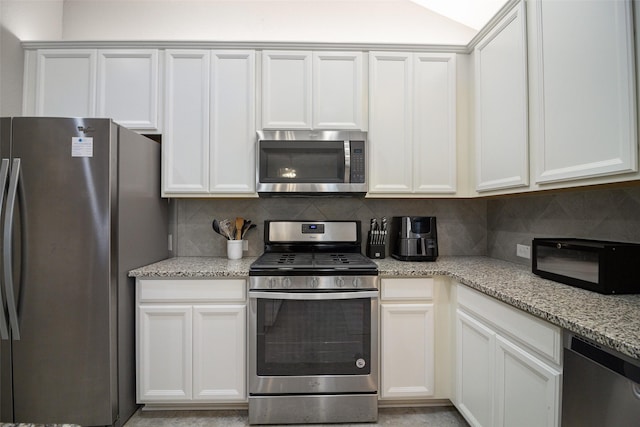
313, 296
347, 162
4, 173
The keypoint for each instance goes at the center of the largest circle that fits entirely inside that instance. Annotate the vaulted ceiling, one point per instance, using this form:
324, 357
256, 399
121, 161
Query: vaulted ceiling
472, 13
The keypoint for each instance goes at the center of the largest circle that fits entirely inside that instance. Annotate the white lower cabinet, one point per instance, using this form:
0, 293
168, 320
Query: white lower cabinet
407, 339
475, 370
164, 370
191, 341
527, 389
508, 364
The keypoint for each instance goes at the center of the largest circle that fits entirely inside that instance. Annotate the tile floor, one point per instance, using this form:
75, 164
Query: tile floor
441, 416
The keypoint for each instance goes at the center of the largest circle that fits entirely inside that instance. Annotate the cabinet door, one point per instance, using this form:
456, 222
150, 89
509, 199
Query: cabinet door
66, 83
128, 87
232, 161
286, 90
164, 353
407, 350
338, 82
434, 123
501, 122
584, 113
527, 390
219, 356
475, 349
390, 116
185, 147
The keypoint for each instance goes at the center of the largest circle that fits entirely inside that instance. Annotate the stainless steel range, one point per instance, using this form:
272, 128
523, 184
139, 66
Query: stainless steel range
313, 326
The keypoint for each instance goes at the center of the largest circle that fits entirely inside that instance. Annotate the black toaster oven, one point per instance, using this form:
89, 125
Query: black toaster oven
596, 265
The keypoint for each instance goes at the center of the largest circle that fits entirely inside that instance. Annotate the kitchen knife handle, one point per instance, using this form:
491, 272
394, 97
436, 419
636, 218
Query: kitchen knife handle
7, 249
4, 173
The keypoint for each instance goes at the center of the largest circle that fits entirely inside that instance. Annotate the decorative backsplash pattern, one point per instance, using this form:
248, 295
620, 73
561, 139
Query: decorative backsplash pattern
490, 227
461, 223
602, 214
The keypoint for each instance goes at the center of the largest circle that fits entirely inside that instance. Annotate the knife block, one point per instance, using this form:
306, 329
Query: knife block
376, 251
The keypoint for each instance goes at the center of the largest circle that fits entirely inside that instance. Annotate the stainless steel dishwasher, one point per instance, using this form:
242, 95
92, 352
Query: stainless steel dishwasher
600, 386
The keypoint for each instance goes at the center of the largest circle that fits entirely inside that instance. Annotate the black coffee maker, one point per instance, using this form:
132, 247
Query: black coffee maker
414, 238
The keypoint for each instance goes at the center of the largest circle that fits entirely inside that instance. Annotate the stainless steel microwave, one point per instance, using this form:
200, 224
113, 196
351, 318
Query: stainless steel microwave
311, 162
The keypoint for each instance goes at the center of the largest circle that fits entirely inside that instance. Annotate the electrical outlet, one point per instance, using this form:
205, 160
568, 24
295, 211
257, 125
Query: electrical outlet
245, 245
523, 251
170, 242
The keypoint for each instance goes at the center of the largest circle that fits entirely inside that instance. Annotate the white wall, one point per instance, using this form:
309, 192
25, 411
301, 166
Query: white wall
23, 20
366, 21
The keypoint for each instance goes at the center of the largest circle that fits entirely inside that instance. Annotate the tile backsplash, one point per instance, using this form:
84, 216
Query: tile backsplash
461, 223
602, 214
490, 227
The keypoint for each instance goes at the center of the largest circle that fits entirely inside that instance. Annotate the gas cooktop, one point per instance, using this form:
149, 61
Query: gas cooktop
311, 260
312, 246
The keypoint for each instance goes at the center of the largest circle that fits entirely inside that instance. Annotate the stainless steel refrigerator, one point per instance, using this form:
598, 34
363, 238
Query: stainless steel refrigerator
81, 207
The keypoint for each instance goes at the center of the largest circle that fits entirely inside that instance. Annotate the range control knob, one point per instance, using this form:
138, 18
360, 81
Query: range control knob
273, 282
314, 282
286, 282
357, 282
339, 281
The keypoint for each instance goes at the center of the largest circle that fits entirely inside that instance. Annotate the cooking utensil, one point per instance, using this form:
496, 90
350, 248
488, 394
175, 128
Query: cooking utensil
227, 228
239, 227
216, 227
247, 228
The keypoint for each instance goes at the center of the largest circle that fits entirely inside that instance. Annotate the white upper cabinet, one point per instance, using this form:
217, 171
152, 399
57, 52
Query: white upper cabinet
233, 132
65, 83
434, 123
312, 90
390, 139
583, 89
209, 123
185, 148
286, 90
128, 87
338, 87
501, 122
121, 84
412, 131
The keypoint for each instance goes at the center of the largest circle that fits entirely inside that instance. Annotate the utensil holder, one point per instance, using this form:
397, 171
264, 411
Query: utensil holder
234, 249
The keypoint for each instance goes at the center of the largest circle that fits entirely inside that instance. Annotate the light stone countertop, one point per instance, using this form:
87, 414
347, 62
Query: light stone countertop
610, 320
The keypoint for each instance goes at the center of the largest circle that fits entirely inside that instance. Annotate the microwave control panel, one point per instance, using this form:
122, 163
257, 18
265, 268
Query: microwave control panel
357, 162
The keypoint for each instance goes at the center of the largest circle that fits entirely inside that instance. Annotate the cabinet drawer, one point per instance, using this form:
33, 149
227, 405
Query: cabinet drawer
178, 290
525, 328
401, 289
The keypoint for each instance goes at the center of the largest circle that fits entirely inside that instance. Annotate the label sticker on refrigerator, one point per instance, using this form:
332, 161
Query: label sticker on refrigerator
81, 147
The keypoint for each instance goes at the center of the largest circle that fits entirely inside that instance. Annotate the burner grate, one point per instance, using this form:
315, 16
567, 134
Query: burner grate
286, 259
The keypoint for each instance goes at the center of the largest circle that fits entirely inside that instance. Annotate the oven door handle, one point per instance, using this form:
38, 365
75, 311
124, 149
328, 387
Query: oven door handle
313, 295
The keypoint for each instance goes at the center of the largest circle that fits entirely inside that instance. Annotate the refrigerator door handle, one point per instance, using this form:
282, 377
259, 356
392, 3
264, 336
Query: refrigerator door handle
7, 250
4, 173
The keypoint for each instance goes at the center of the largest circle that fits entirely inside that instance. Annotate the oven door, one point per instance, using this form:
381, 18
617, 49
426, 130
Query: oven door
313, 342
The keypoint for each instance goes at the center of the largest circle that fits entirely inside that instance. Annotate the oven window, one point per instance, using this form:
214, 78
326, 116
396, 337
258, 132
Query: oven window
302, 337
301, 162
